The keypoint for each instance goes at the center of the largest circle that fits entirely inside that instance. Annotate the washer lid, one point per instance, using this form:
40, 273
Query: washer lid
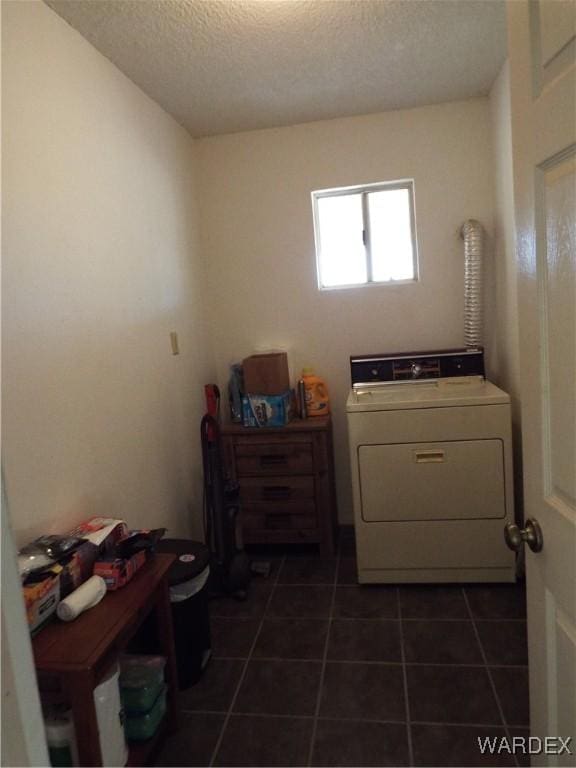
438, 393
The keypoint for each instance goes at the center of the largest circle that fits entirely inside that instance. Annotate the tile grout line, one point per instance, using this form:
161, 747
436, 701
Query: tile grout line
405, 678
487, 668
408, 619
245, 667
324, 658
479, 665
266, 715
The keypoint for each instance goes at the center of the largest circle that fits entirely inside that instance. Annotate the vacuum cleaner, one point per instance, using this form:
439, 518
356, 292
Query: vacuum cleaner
230, 565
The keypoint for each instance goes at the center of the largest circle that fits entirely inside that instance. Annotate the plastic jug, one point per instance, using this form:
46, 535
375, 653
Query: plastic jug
60, 737
317, 400
110, 717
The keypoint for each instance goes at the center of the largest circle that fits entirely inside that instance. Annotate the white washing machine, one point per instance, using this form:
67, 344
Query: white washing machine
431, 457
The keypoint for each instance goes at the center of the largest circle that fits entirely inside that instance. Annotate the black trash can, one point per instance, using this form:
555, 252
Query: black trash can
188, 579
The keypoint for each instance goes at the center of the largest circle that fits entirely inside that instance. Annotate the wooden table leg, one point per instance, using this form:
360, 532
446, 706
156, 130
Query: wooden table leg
166, 639
80, 688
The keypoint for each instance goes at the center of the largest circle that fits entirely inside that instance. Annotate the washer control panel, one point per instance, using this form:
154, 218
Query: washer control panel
416, 366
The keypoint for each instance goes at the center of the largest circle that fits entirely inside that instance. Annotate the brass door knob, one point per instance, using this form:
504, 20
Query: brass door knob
531, 534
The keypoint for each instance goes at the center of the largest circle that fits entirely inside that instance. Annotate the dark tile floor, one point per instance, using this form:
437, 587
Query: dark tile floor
313, 669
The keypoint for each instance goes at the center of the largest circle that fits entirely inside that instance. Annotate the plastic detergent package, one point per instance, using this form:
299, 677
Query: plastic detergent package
267, 410
33, 564
55, 547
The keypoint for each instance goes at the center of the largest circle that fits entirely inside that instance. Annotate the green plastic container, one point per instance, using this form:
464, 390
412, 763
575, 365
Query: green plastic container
141, 671
143, 727
141, 682
138, 701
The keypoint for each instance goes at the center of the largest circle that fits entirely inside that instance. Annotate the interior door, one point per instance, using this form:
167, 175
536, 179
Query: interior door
23, 736
542, 49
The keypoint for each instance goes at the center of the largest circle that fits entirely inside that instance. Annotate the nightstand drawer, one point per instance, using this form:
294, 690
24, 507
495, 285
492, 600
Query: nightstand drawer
273, 458
283, 536
273, 489
269, 519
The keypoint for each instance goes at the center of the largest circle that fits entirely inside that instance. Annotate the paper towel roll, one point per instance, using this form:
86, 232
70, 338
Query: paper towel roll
86, 596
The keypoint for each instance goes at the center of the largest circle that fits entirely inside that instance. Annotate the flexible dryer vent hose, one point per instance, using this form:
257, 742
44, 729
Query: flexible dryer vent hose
473, 234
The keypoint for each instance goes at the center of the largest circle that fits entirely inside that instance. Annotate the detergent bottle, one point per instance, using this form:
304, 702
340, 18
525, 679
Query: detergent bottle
317, 401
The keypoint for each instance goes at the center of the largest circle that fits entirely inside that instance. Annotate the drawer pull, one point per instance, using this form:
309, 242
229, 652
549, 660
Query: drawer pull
278, 522
276, 492
273, 459
429, 457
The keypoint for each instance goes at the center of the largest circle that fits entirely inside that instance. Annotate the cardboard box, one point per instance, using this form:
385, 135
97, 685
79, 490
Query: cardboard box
77, 568
266, 410
118, 571
266, 374
41, 599
104, 532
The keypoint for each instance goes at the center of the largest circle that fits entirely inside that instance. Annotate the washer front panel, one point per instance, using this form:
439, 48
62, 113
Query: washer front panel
463, 479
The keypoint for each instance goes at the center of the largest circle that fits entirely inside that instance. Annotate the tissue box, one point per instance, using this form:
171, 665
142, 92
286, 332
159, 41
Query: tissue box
266, 374
266, 410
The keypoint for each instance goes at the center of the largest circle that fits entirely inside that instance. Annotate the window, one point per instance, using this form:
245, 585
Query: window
365, 234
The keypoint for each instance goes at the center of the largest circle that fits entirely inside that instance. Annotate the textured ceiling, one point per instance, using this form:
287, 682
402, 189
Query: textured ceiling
220, 66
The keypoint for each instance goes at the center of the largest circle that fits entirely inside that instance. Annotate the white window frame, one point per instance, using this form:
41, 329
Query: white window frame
363, 190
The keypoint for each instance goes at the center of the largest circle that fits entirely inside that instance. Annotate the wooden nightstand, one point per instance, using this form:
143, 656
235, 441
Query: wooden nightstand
74, 657
286, 479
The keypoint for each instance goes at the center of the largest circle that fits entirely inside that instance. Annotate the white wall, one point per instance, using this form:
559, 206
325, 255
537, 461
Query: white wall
100, 263
502, 325
257, 237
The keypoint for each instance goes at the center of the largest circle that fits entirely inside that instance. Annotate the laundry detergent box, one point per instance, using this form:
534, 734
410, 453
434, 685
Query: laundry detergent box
41, 598
267, 410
